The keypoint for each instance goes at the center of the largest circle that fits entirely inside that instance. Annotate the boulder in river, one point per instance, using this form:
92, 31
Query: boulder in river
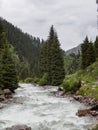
2, 98
84, 112
7, 93
93, 111
19, 127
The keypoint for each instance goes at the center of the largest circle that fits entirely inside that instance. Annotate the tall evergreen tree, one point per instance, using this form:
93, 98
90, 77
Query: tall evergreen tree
84, 48
57, 62
8, 70
43, 59
50, 42
1, 30
96, 47
88, 53
51, 59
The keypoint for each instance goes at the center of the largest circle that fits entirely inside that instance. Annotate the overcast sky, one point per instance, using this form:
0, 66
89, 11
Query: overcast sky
72, 19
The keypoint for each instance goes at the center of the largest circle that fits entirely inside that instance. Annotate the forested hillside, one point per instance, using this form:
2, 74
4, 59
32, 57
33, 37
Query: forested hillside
85, 80
26, 47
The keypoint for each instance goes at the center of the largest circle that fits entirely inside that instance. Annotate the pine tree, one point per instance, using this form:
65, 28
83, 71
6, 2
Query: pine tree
9, 73
51, 59
57, 62
50, 42
1, 30
84, 48
88, 53
96, 47
43, 59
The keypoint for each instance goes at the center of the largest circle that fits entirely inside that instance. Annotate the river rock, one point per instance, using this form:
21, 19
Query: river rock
86, 100
84, 112
60, 89
94, 108
7, 93
78, 97
19, 127
2, 98
92, 111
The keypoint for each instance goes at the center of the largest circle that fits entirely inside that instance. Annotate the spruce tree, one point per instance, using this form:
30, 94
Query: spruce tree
43, 59
51, 60
88, 53
57, 62
96, 47
9, 73
1, 30
50, 42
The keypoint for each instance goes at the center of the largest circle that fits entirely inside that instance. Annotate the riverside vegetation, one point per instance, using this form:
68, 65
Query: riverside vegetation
85, 80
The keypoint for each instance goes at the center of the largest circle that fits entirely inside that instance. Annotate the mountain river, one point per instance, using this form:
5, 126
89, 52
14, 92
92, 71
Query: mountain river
40, 109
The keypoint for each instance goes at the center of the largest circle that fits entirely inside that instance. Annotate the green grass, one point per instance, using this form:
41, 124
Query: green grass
89, 80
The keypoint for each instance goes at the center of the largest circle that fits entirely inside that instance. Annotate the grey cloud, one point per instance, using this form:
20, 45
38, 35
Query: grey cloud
73, 19
0, 3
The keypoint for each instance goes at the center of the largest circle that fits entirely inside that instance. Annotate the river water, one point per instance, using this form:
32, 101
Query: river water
41, 110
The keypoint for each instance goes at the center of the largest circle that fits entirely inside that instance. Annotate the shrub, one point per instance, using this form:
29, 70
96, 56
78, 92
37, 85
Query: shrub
71, 85
43, 81
66, 86
28, 80
36, 80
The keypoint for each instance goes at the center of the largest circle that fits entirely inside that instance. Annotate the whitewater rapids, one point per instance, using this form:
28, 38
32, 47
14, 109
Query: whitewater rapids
40, 109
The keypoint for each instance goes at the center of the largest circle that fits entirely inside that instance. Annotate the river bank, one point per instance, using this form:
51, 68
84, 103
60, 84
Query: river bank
91, 104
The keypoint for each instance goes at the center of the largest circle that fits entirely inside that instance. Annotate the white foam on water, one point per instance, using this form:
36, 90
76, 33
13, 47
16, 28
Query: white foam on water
40, 110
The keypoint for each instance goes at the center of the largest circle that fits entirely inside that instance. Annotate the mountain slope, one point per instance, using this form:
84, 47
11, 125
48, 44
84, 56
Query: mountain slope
74, 50
26, 46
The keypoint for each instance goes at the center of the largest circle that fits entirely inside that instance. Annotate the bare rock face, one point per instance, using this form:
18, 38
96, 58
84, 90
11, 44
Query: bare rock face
19, 127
